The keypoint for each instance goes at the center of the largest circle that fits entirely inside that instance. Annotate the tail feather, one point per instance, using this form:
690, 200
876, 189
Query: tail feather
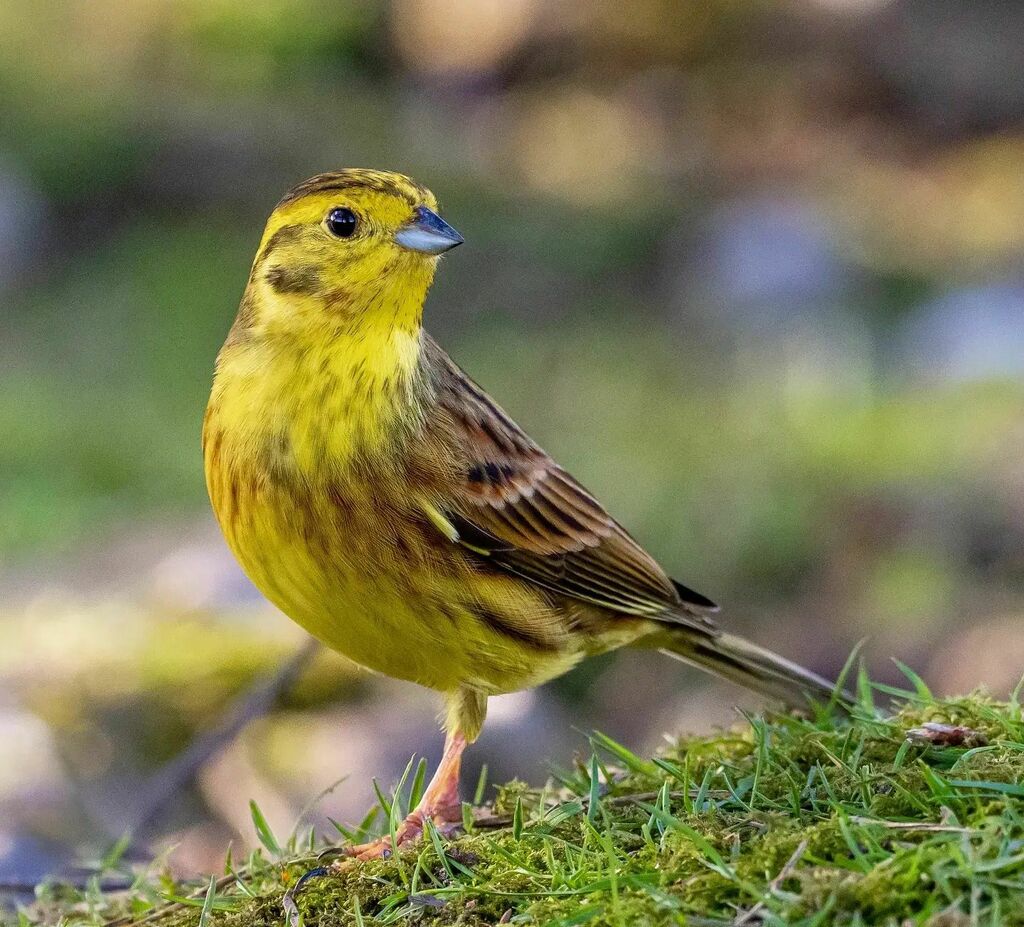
744, 662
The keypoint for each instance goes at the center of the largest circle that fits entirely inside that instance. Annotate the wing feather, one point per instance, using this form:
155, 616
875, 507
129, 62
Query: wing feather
509, 501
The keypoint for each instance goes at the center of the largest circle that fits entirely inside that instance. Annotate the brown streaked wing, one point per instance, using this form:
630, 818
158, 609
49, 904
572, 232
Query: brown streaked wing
509, 501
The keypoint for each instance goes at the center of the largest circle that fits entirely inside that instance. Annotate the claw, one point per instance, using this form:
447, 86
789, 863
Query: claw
291, 909
440, 803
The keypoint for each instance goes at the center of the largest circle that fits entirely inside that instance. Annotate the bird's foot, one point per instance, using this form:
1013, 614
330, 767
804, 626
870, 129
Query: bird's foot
439, 804
445, 819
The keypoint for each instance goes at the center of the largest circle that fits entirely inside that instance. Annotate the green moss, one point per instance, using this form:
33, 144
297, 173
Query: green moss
798, 821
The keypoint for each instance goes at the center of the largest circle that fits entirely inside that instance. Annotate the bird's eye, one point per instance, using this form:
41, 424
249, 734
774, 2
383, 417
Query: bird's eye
341, 222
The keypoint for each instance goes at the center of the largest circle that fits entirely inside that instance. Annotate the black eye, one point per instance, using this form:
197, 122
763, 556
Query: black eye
341, 222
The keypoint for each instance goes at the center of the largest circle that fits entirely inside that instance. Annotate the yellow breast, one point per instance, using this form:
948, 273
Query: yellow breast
308, 485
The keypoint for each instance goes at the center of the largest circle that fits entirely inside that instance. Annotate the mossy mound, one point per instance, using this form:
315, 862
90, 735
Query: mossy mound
914, 818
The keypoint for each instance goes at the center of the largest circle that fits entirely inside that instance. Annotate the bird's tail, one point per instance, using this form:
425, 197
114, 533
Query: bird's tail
744, 662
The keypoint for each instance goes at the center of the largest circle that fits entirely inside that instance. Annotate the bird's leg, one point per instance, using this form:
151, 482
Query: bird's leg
440, 804
440, 801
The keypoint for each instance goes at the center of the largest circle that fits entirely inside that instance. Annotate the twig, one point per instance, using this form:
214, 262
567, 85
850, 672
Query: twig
175, 775
784, 873
171, 906
15, 886
502, 820
179, 772
913, 826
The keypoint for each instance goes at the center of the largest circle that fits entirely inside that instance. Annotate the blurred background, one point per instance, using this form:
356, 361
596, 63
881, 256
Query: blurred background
753, 271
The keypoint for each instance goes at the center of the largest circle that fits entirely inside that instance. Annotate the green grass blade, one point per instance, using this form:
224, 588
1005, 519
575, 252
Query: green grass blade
594, 797
920, 687
416, 789
1004, 788
481, 786
211, 893
263, 831
626, 756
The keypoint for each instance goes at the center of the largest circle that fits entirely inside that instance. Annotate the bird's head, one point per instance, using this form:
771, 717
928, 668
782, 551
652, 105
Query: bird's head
343, 245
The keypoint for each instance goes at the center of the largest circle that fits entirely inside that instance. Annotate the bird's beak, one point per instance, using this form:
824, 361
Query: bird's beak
428, 233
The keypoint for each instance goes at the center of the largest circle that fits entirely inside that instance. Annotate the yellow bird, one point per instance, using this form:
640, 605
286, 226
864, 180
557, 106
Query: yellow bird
381, 499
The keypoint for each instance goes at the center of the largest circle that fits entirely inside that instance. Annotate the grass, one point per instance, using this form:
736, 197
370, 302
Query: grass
782, 820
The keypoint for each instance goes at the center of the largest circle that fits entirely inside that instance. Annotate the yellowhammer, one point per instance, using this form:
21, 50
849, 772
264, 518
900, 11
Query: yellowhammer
386, 503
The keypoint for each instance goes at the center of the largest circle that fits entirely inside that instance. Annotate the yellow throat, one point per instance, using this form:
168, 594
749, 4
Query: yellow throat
321, 363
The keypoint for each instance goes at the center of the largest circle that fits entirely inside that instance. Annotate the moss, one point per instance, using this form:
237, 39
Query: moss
799, 821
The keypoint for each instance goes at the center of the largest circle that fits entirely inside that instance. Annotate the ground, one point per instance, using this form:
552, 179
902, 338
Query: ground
907, 815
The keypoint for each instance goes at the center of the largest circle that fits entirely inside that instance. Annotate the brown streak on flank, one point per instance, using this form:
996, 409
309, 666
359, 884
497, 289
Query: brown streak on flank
233, 492
303, 280
304, 515
211, 446
340, 501
207, 419
521, 635
403, 550
449, 612
276, 459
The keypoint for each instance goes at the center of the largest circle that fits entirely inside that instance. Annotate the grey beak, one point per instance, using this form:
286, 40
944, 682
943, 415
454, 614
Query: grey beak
428, 233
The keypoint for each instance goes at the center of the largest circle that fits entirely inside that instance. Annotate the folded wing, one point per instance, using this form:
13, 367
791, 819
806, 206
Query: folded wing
508, 501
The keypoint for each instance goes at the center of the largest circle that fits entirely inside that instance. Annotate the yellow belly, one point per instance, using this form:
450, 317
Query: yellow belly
377, 583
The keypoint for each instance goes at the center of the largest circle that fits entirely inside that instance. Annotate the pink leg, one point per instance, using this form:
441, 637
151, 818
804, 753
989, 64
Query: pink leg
440, 803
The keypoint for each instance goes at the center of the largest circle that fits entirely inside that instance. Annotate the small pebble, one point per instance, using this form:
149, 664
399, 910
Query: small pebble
936, 734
